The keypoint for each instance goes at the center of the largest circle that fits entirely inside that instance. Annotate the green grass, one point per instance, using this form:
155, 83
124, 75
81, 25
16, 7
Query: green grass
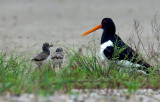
17, 75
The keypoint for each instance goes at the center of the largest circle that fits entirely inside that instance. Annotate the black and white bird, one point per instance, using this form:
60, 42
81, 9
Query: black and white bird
113, 48
42, 57
57, 58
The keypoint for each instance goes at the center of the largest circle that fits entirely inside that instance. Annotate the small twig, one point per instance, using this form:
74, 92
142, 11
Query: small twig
139, 30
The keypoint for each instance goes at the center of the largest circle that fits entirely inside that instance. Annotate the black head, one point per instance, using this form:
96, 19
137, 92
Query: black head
108, 26
59, 49
46, 47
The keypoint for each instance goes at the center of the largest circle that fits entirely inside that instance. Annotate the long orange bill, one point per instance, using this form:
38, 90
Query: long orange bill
92, 30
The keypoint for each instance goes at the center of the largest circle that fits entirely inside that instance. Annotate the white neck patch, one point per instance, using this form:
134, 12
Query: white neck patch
104, 46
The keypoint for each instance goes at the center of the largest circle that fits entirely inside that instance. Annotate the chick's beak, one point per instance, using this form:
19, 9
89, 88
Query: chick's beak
92, 30
51, 45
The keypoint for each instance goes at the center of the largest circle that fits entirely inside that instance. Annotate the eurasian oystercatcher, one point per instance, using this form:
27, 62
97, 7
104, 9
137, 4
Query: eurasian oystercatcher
113, 48
57, 58
42, 57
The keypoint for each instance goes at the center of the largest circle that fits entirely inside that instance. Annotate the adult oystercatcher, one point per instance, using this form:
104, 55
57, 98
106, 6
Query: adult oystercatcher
42, 57
113, 48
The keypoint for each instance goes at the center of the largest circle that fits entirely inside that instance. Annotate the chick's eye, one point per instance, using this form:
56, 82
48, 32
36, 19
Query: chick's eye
104, 21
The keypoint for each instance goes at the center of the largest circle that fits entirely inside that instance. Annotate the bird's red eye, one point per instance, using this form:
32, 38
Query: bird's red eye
104, 21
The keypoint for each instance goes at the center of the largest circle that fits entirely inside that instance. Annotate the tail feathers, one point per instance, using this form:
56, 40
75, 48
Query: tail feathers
144, 63
146, 67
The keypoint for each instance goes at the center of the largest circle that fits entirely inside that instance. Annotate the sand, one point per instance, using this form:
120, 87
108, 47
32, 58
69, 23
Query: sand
115, 95
26, 24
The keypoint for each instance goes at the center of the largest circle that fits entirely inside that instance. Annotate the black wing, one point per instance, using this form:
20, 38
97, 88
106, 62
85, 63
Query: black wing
121, 51
40, 57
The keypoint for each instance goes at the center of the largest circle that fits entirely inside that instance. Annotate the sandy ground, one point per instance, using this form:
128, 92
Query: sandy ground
26, 24
94, 96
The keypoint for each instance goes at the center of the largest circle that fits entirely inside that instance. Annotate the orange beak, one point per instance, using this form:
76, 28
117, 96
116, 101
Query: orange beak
92, 30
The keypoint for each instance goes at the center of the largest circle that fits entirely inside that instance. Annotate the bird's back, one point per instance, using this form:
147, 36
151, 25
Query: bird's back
57, 55
57, 58
41, 56
123, 52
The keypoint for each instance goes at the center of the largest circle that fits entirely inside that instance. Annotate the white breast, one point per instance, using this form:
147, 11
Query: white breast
104, 46
126, 63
